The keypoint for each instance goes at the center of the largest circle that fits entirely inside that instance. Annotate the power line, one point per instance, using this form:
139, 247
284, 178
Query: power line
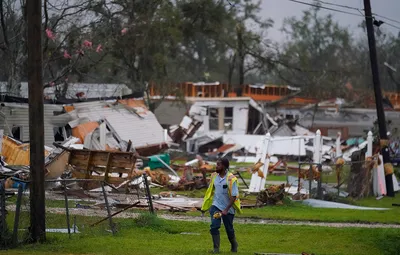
326, 8
360, 10
346, 12
338, 5
383, 17
391, 25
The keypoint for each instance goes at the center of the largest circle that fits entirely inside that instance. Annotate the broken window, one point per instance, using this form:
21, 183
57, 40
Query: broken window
58, 134
62, 133
17, 133
213, 118
228, 118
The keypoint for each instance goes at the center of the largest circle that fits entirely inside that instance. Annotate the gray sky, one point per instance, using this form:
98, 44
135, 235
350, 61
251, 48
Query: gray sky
279, 9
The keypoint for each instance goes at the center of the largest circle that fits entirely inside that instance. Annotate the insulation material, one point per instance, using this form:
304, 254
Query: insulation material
84, 129
138, 105
16, 153
69, 108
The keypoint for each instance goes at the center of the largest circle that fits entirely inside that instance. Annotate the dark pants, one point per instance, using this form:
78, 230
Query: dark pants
216, 223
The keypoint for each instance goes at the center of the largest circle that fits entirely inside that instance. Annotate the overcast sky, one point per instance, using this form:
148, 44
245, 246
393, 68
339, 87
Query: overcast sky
279, 9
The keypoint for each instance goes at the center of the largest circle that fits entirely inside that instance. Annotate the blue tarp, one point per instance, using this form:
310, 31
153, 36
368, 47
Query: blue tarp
354, 141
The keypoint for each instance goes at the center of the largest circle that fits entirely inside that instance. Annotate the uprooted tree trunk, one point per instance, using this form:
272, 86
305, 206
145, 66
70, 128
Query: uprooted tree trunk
360, 178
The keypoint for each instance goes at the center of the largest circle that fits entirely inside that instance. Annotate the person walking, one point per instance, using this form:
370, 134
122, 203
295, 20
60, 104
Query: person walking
222, 201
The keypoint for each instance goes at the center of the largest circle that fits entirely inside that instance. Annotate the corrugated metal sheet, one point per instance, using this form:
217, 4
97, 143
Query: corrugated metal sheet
142, 129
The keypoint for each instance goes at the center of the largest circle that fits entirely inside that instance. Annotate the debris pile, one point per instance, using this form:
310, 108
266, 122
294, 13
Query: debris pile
272, 195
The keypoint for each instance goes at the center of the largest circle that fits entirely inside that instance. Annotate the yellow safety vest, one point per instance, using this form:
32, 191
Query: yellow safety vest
208, 197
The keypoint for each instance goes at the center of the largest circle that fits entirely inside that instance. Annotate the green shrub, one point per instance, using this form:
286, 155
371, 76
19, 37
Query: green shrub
148, 220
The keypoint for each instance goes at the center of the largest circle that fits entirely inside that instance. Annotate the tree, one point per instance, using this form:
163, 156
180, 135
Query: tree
317, 55
13, 46
61, 21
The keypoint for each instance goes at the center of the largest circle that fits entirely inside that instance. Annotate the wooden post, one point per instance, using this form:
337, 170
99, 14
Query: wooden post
36, 120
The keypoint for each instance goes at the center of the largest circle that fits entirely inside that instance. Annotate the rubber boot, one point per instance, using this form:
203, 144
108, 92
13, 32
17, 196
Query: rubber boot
234, 244
216, 241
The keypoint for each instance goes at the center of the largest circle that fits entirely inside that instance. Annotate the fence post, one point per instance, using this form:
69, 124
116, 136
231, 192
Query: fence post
146, 184
370, 139
3, 225
257, 183
17, 213
317, 147
108, 208
316, 160
66, 207
338, 148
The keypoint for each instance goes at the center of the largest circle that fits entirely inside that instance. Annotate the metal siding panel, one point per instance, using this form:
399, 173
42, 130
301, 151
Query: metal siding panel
142, 132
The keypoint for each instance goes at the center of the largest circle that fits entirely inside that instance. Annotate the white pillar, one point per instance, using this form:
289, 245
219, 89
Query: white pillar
338, 147
370, 139
317, 147
257, 183
165, 135
266, 160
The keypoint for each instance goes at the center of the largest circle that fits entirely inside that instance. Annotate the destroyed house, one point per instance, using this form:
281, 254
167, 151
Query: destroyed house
280, 103
99, 124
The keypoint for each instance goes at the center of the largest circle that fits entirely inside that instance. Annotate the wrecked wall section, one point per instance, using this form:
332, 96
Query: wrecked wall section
14, 118
226, 110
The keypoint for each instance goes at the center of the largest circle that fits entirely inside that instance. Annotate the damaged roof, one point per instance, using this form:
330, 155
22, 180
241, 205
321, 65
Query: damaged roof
292, 130
127, 120
89, 90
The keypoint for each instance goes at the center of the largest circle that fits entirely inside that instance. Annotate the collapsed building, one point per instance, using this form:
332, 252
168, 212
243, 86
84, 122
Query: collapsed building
213, 115
104, 125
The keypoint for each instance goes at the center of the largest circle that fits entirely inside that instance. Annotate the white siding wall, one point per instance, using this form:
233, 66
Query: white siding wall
240, 115
19, 116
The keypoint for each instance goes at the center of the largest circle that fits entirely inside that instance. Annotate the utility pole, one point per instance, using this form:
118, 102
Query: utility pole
36, 120
383, 138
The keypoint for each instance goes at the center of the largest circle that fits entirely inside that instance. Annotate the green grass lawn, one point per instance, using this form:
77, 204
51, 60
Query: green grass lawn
297, 211
156, 236
305, 213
